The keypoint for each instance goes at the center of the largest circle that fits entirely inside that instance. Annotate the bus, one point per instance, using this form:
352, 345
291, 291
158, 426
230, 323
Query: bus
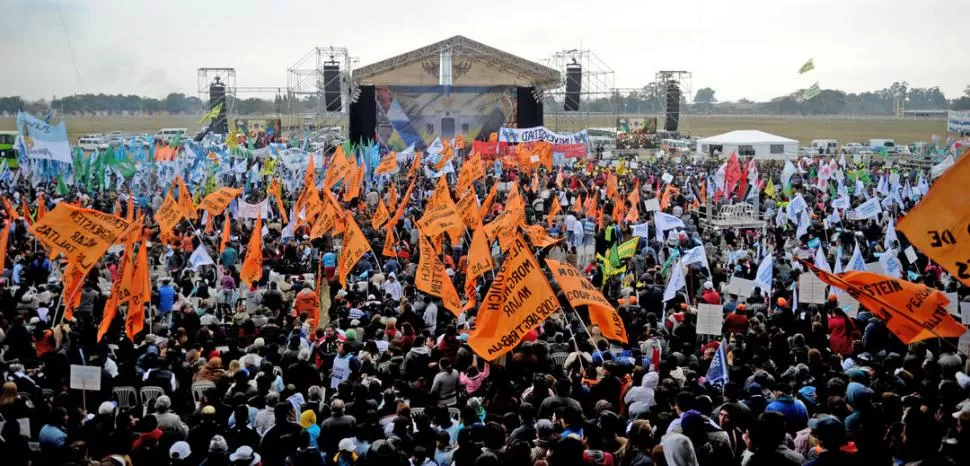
7, 150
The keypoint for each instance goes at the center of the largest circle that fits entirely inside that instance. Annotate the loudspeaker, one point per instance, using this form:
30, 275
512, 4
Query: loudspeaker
672, 121
331, 86
363, 116
574, 84
528, 112
217, 96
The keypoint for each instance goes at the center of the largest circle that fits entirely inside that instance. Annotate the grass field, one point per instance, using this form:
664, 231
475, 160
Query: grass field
844, 130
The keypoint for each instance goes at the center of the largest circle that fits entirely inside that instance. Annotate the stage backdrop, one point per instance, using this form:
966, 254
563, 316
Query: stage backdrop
418, 114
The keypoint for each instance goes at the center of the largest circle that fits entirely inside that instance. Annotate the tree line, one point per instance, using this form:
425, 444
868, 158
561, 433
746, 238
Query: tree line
649, 99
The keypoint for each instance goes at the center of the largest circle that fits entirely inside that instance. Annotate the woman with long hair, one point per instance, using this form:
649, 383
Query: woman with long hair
639, 445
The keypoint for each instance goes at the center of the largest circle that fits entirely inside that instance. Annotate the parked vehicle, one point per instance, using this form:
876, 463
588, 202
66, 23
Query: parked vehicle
853, 147
876, 145
825, 146
168, 134
92, 143
8, 151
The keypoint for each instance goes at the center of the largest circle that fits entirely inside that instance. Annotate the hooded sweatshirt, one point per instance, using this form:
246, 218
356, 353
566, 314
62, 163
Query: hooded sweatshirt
678, 450
641, 399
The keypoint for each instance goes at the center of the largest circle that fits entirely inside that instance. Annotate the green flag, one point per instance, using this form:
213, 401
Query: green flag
811, 92
808, 66
628, 248
62, 189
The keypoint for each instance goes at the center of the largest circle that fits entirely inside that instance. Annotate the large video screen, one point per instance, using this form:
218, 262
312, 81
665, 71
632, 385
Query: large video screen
418, 114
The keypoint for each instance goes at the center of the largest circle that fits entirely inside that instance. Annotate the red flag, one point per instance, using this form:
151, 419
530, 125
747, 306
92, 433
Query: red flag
732, 174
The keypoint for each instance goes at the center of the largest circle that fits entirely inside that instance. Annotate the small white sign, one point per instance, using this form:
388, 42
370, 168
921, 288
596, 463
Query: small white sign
341, 372
740, 286
910, 254
710, 319
652, 204
85, 378
667, 177
811, 289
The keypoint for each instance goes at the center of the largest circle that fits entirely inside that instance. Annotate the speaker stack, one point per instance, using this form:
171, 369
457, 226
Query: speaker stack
574, 83
331, 86
217, 96
672, 120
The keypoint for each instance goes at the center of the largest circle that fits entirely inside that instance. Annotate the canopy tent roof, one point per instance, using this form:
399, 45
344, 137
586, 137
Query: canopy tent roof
746, 136
515, 70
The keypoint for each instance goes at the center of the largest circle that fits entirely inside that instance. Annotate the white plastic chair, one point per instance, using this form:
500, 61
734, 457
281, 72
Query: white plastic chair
148, 396
560, 358
199, 390
127, 397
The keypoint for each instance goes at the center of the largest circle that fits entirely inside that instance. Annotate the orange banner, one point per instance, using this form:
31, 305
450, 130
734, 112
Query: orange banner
414, 165
325, 222
217, 202
939, 225
4, 238
81, 235
489, 198
432, 278
441, 214
388, 164
354, 247
165, 153
388, 250
125, 268
354, 180
380, 215
580, 292
519, 300
276, 192
402, 205
340, 167
252, 268
11, 211
911, 311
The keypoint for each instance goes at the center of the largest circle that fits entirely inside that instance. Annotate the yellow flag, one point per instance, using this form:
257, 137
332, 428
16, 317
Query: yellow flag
770, 189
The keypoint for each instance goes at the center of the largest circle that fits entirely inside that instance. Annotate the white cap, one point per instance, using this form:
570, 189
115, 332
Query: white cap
179, 451
245, 453
347, 444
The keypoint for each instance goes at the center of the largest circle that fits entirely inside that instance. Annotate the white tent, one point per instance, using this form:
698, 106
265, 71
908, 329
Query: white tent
747, 142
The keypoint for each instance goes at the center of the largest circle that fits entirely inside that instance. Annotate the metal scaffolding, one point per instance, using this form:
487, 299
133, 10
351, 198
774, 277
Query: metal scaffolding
679, 79
598, 102
306, 82
227, 76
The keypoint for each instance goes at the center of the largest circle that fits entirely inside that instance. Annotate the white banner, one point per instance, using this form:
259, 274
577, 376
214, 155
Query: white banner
958, 121
246, 210
43, 141
540, 133
710, 318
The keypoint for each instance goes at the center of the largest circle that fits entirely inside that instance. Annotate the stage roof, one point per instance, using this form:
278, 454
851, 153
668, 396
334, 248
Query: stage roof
474, 64
747, 136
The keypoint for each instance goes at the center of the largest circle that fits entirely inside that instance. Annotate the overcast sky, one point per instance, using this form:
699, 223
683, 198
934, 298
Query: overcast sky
741, 48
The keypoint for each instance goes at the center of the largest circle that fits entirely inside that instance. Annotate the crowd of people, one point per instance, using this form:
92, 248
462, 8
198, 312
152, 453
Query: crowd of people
386, 375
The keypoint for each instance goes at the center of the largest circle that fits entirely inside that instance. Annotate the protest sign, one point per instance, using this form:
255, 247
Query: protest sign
710, 319
580, 292
811, 290
85, 378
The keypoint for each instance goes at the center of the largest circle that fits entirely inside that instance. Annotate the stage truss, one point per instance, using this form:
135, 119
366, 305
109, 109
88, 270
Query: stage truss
598, 103
682, 79
306, 107
227, 76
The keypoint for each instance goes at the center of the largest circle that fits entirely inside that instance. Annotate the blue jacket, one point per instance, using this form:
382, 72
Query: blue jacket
166, 298
795, 412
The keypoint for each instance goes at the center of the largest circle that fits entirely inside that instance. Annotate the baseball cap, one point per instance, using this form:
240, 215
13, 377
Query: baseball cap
828, 429
179, 451
245, 453
347, 444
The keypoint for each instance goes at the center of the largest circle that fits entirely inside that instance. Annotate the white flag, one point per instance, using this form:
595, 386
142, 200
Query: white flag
676, 282
697, 255
856, 262
891, 238
820, 260
803, 223
199, 258
665, 222
764, 277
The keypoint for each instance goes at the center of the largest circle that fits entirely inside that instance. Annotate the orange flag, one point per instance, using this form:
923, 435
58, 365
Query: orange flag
460, 141
634, 196
11, 211
580, 292
473, 169
391, 197
469, 209
538, 236
913, 312
703, 192
140, 293
41, 207
559, 178
252, 268
577, 206
4, 237
217, 202
441, 214
326, 222
310, 177
275, 191
71, 294
388, 250
488, 200
591, 204
126, 268
939, 225
82, 235
168, 215
555, 210
130, 212
388, 164
519, 300
380, 215
185, 199
446, 155
340, 168
354, 180
432, 278
634, 215
414, 165
402, 205
355, 245
27, 217
479, 256
224, 239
